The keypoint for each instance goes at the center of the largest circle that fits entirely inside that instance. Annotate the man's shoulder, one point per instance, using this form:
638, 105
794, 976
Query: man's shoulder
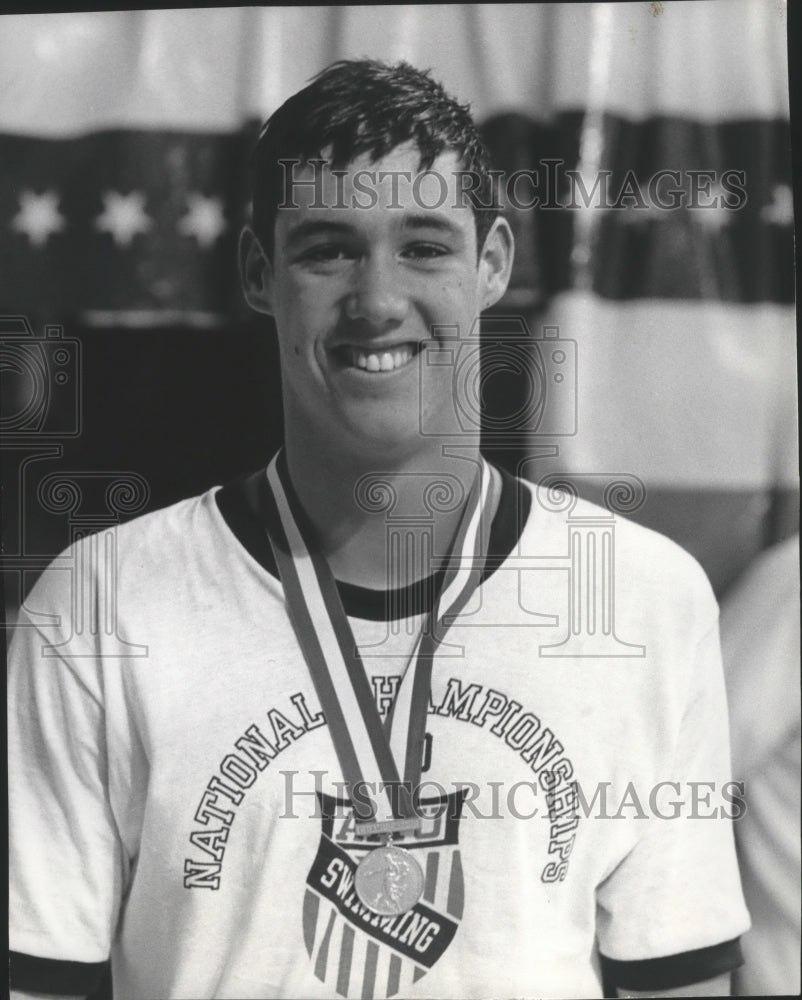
643, 558
174, 527
150, 545
169, 524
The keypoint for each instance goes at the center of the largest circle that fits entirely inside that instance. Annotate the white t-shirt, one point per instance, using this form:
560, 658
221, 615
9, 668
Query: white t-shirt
167, 745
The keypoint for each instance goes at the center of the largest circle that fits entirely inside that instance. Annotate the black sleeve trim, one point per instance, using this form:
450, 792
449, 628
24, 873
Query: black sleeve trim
671, 971
54, 975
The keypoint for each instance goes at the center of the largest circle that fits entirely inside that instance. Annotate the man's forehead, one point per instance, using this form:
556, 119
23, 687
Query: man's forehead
394, 181
405, 156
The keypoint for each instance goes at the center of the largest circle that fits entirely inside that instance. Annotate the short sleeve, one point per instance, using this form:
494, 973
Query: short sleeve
672, 910
65, 855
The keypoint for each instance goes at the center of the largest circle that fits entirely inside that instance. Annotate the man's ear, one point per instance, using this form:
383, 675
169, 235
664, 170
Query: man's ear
495, 262
256, 272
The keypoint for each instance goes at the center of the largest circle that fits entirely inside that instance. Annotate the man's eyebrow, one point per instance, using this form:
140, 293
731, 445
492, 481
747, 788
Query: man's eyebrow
430, 220
317, 228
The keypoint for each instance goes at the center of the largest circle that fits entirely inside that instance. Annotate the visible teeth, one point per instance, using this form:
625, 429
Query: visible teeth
386, 361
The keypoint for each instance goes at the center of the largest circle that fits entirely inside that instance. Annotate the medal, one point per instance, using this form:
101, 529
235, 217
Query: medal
373, 755
389, 880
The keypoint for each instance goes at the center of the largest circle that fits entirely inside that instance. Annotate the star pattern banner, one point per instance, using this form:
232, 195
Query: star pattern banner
124, 226
156, 217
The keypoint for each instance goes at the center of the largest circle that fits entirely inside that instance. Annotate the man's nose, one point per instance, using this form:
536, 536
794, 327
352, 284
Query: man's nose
377, 295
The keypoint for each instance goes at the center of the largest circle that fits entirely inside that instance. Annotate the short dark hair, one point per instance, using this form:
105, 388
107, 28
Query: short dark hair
365, 106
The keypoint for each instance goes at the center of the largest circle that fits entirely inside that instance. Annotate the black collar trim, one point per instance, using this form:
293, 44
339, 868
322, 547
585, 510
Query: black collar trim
381, 605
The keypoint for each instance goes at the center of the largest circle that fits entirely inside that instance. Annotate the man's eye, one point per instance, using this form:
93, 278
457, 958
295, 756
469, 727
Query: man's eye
425, 251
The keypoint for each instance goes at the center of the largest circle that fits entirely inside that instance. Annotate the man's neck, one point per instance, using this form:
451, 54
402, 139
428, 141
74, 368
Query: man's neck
383, 523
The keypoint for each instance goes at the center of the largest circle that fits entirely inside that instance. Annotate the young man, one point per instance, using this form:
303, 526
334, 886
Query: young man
342, 739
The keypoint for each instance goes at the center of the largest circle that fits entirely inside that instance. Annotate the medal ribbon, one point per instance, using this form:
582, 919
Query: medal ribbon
372, 755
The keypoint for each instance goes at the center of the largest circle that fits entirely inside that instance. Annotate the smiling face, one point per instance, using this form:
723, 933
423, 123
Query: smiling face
355, 291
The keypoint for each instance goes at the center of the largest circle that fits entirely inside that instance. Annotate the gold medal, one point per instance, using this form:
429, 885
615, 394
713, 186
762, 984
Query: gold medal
389, 880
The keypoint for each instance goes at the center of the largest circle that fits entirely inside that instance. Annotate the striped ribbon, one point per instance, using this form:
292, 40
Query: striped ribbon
373, 755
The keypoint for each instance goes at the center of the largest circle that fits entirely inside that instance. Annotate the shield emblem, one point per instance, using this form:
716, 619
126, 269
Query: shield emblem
357, 952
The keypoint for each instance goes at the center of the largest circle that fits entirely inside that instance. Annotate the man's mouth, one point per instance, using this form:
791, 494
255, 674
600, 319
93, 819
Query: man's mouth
385, 360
